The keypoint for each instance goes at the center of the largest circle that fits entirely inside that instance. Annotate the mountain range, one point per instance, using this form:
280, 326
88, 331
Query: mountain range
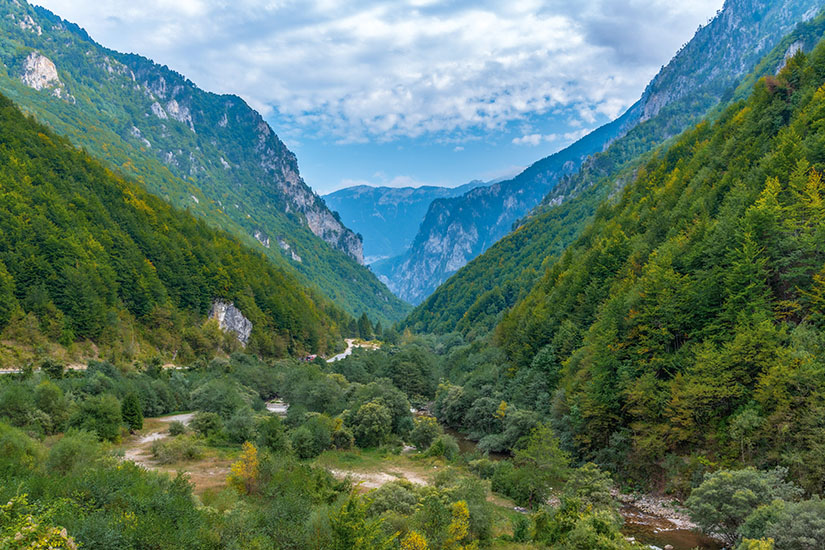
710, 71
699, 76
210, 154
388, 218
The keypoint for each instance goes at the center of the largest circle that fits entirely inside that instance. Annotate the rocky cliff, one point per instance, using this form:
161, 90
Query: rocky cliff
230, 319
388, 218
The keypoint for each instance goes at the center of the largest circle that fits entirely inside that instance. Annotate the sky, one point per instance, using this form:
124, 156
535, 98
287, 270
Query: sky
409, 92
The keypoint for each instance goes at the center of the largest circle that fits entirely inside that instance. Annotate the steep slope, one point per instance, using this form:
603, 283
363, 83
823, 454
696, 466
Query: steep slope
689, 316
474, 298
210, 154
456, 230
388, 217
86, 255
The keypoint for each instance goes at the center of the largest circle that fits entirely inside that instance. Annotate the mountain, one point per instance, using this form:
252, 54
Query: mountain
473, 299
211, 154
88, 257
457, 230
388, 217
689, 317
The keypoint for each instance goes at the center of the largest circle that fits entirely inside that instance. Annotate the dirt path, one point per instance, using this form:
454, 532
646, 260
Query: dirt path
373, 480
351, 345
138, 448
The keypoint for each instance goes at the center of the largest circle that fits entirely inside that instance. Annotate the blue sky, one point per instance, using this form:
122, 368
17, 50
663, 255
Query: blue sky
409, 92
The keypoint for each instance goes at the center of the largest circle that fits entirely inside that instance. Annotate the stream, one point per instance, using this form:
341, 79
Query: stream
644, 527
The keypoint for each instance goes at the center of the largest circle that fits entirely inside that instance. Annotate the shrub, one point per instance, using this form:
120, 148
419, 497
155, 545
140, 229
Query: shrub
241, 427
76, 448
178, 449
371, 424
100, 414
343, 439
177, 428
206, 423
272, 435
397, 496
425, 431
444, 446
132, 412
313, 438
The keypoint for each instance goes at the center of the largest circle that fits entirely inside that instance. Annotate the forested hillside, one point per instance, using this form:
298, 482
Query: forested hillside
684, 328
88, 256
211, 154
473, 300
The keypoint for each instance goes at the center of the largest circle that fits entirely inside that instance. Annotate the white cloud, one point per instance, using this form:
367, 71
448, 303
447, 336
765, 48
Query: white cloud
380, 70
458, 149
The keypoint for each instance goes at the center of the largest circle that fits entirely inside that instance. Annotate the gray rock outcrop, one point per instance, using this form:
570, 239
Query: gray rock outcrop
230, 319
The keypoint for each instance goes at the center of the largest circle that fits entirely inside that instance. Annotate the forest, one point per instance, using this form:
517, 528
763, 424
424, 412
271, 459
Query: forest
88, 257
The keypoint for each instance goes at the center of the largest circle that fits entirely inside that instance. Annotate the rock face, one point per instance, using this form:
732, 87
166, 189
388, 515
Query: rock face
388, 217
39, 72
456, 230
230, 319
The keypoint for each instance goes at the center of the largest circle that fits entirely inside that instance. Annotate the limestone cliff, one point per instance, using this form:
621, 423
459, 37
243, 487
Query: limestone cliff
230, 319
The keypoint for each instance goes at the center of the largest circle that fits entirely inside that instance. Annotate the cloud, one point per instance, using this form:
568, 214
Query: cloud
379, 70
458, 149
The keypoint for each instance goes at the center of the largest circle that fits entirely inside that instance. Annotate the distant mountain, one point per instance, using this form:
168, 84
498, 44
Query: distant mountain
89, 257
711, 72
457, 230
388, 218
211, 154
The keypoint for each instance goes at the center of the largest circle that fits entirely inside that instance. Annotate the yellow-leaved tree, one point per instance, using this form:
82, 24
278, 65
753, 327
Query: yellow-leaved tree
243, 476
414, 541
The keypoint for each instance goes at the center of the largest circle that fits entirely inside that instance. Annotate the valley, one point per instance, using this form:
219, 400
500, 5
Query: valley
621, 347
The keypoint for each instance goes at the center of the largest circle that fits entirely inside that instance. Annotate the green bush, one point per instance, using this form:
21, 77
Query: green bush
176, 428
272, 434
425, 431
100, 414
206, 423
241, 426
444, 446
371, 424
177, 449
76, 448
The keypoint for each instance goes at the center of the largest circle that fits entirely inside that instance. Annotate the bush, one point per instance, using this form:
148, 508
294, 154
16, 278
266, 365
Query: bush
178, 449
371, 424
100, 414
177, 428
272, 435
76, 448
343, 439
313, 438
792, 525
425, 431
206, 423
132, 412
397, 496
241, 427
444, 446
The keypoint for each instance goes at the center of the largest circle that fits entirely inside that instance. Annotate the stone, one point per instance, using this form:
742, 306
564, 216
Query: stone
39, 72
230, 319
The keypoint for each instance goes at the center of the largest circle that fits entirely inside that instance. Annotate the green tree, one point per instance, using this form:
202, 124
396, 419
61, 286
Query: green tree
132, 412
725, 499
365, 331
100, 414
425, 431
371, 424
352, 529
543, 462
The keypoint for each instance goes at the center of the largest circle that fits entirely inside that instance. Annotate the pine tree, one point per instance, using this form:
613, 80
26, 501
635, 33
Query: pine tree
132, 412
